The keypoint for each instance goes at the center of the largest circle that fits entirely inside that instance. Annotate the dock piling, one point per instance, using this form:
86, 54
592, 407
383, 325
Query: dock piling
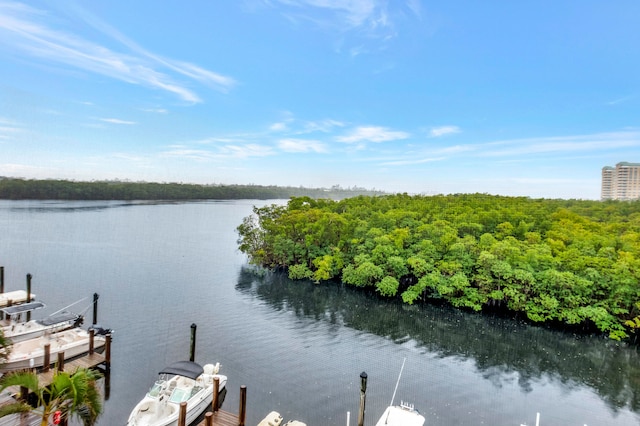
95, 308
216, 390
363, 392
208, 419
29, 276
242, 414
47, 357
182, 416
192, 347
61, 361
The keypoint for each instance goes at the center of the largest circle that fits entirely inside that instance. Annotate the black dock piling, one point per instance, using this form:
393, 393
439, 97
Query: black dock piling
29, 295
95, 308
192, 349
363, 392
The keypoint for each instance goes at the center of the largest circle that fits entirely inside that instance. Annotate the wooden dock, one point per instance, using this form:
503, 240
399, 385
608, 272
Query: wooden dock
220, 418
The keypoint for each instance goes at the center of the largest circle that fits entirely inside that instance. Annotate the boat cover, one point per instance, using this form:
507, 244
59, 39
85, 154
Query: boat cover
59, 317
22, 308
184, 368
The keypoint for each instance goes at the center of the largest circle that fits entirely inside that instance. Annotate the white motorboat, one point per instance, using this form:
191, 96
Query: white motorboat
273, 419
17, 330
15, 297
183, 381
30, 353
400, 415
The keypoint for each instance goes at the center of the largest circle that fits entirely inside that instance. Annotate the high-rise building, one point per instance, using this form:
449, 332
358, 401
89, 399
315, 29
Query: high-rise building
621, 182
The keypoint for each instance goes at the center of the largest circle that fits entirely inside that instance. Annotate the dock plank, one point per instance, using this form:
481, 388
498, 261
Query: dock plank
223, 418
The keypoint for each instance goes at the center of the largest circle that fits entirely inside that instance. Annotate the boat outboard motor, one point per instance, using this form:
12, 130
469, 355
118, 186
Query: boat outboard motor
99, 330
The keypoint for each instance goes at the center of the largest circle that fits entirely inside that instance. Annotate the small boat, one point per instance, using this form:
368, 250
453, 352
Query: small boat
400, 415
30, 353
15, 297
403, 414
183, 381
17, 331
273, 419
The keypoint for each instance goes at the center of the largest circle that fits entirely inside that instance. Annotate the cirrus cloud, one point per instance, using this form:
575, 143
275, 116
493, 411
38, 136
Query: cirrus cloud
373, 134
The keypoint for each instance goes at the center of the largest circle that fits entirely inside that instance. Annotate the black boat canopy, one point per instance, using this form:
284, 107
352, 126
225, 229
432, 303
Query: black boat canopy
59, 317
22, 308
184, 368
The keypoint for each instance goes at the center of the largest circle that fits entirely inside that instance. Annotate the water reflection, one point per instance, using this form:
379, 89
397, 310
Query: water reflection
498, 347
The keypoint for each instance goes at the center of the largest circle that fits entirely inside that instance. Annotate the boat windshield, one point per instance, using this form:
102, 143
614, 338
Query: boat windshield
155, 389
178, 395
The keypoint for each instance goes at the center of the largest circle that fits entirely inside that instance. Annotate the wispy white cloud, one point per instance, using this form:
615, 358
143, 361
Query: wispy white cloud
156, 110
25, 31
9, 129
571, 144
117, 121
219, 153
324, 126
302, 145
368, 17
372, 134
621, 100
443, 130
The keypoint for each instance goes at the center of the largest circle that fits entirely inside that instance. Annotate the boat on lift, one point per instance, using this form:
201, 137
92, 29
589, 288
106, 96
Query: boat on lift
15, 297
17, 330
29, 354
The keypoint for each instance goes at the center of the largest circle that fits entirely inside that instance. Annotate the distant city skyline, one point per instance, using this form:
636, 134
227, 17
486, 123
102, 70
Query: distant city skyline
525, 99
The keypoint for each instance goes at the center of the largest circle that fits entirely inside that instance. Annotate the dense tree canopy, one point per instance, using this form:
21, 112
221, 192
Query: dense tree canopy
21, 189
566, 261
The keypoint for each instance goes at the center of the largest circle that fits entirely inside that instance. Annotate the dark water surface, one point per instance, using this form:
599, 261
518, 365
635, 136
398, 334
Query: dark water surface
298, 347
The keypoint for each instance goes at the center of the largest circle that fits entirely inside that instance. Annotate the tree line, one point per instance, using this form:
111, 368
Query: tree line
52, 189
572, 262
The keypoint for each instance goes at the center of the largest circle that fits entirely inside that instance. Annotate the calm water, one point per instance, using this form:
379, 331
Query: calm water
298, 347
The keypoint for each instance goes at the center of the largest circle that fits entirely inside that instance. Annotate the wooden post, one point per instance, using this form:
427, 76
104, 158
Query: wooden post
107, 351
47, 357
1, 287
95, 308
9, 304
192, 348
243, 405
92, 334
29, 295
208, 419
60, 361
182, 416
216, 390
363, 392
24, 393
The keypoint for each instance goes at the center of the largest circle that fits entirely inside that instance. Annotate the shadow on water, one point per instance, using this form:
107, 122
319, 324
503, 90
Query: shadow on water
498, 347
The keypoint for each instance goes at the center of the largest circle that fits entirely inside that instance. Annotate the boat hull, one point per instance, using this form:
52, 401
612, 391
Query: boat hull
161, 406
31, 353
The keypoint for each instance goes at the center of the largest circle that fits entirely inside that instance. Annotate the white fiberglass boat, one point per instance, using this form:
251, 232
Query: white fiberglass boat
14, 297
273, 419
30, 353
183, 381
17, 331
400, 415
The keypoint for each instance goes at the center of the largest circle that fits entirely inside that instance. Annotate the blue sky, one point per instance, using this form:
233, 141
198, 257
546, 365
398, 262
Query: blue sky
525, 98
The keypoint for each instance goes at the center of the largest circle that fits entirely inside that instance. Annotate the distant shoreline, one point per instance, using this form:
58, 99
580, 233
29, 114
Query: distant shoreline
54, 189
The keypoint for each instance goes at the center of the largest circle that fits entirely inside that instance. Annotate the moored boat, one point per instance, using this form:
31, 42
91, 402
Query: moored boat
273, 419
183, 381
17, 331
15, 297
400, 415
31, 353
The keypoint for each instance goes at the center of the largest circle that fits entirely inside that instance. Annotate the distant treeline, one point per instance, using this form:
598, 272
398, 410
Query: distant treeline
570, 262
23, 189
